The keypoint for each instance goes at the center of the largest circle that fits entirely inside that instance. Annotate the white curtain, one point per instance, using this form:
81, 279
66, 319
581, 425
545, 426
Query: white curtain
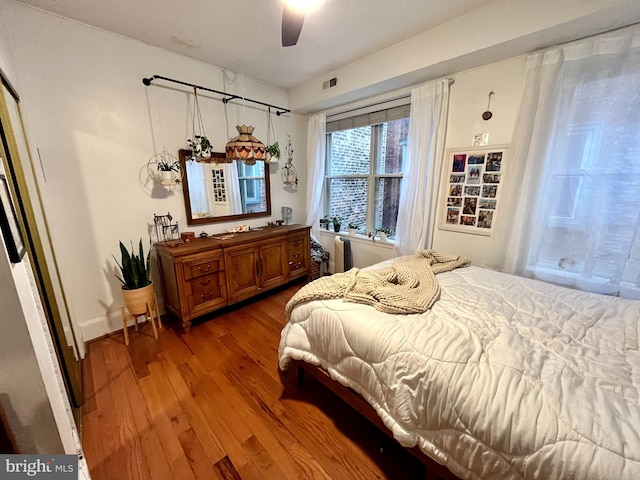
573, 215
316, 151
197, 174
419, 190
234, 194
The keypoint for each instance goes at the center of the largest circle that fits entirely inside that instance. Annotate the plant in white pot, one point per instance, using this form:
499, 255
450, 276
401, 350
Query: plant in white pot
385, 233
273, 153
201, 146
353, 228
169, 169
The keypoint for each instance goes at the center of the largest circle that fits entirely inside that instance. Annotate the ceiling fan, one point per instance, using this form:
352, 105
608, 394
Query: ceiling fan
293, 17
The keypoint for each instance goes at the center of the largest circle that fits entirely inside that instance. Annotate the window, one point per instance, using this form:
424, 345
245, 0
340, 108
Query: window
365, 161
589, 219
252, 187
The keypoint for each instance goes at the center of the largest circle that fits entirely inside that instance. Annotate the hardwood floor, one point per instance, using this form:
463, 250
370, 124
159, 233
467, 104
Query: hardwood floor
212, 405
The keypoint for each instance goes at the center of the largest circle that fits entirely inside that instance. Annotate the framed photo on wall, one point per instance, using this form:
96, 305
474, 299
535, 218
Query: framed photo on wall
9, 224
471, 180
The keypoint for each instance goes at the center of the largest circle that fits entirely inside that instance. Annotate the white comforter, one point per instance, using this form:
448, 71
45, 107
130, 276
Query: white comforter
504, 377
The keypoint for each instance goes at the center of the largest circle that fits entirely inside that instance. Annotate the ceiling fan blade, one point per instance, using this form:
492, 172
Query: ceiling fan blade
291, 26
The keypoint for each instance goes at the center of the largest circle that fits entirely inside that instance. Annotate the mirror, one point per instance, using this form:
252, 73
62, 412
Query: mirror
222, 192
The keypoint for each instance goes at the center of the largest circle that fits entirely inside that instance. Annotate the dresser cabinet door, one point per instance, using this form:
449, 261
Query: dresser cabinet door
272, 269
242, 272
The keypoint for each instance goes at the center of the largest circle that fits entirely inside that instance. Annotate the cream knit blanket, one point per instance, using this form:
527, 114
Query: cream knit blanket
409, 285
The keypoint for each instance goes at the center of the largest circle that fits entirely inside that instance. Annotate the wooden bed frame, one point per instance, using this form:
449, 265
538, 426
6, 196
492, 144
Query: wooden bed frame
433, 470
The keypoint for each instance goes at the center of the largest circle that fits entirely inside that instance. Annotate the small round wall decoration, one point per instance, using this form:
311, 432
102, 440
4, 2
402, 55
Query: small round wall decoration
487, 115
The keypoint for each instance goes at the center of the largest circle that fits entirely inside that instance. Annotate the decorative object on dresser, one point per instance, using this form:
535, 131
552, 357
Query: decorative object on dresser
219, 270
165, 230
137, 289
287, 215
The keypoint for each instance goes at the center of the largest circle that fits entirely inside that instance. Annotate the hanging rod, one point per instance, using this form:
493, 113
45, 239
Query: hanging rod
227, 97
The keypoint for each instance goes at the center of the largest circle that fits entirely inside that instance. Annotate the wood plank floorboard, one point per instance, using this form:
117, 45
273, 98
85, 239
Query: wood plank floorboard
213, 404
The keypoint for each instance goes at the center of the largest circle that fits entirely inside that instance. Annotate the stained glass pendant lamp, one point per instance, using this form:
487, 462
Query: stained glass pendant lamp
245, 146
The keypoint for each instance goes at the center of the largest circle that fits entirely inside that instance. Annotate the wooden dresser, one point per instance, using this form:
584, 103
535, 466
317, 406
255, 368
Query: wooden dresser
209, 273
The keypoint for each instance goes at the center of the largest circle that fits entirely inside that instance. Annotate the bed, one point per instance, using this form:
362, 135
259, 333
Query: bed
503, 377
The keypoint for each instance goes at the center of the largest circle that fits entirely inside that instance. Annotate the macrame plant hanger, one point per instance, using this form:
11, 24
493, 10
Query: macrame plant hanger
200, 144
273, 149
162, 167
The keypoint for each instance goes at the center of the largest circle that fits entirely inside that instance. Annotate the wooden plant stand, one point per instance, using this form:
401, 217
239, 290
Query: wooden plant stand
152, 311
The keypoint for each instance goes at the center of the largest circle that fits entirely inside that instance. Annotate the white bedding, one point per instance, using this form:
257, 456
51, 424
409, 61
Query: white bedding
504, 377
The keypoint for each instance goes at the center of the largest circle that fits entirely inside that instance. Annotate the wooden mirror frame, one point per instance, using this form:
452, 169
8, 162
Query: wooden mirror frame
183, 156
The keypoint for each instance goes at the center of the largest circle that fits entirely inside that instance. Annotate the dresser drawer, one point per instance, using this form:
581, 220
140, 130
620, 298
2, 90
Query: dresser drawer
297, 253
205, 289
199, 266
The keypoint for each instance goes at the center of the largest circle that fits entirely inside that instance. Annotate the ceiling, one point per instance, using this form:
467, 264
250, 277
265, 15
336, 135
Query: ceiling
244, 35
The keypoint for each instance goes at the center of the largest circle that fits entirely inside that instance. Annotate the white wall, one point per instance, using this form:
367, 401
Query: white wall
469, 98
31, 385
95, 125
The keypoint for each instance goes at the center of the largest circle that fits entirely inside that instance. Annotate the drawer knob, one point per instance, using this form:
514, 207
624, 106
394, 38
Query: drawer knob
205, 282
205, 271
206, 297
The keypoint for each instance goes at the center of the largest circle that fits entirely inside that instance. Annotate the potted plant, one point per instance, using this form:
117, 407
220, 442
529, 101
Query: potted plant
384, 233
273, 153
201, 146
166, 167
135, 269
352, 229
336, 221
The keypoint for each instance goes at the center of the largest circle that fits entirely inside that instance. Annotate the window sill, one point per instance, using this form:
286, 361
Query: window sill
360, 239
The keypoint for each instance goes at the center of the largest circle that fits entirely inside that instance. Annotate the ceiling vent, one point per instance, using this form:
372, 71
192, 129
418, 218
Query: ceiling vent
332, 82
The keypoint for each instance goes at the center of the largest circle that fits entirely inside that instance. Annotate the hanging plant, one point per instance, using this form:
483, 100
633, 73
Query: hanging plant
273, 152
273, 149
168, 165
199, 144
164, 168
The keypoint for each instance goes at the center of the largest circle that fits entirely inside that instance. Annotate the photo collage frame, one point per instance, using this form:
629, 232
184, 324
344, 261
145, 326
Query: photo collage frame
472, 180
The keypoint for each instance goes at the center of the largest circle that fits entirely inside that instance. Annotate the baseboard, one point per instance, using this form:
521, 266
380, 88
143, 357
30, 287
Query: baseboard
100, 326
105, 324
